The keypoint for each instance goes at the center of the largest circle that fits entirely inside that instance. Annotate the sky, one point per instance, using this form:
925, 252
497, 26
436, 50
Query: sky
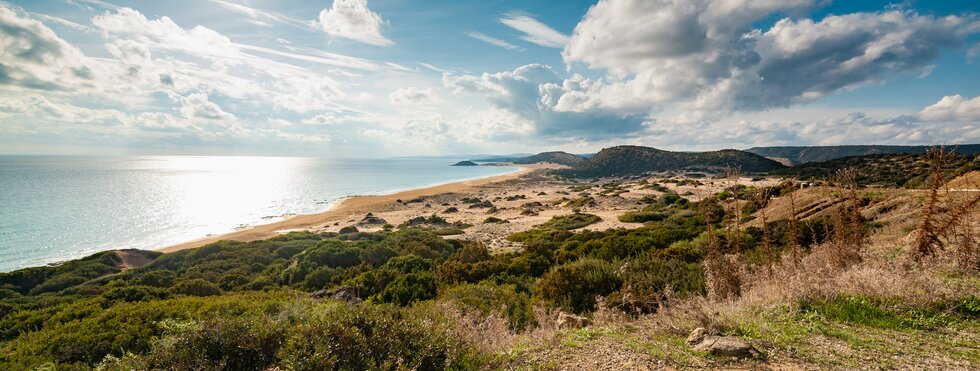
358, 78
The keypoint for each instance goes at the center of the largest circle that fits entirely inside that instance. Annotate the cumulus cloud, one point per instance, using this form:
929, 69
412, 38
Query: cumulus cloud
529, 93
953, 108
412, 95
492, 40
807, 126
34, 57
351, 19
534, 31
197, 105
704, 54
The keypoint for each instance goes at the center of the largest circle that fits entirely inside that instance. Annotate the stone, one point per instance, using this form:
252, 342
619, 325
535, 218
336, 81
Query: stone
568, 320
712, 341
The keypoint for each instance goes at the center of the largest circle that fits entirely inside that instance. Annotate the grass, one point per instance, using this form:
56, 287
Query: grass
866, 312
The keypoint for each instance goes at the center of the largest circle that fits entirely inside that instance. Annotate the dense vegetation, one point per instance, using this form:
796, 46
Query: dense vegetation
802, 155
888, 170
240, 305
561, 158
631, 160
390, 299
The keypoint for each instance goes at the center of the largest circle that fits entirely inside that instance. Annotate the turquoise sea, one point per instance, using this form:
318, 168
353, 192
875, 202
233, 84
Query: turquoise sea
59, 208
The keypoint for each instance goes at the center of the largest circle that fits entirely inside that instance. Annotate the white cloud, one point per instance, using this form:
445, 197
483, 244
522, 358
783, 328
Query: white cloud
704, 55
412, 95
62, 22
258, 17
534, 31
492, 40
953, 108
530, 93
973, 53
351, 19
34, 57
198, 106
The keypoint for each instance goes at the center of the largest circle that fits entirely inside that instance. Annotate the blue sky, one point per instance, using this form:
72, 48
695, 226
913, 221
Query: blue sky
356, 78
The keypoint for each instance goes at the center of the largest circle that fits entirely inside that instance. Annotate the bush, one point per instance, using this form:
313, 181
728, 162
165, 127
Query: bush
222, 343
158, 278
575, 286
196, 287
641, 217
370, 337
644, 282
488, 298
409, 288
494, 220
580, 202
573, 221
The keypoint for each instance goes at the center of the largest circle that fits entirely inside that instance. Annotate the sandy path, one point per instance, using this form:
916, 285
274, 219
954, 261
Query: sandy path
344, 210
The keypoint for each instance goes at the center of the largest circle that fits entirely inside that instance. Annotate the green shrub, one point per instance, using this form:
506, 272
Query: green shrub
494, 220
157, 278
372, 337
641, 217
645, 280
489, 298
409, 288
196, 287
576, 285
580, 202
573, 221
969, 306
134, 293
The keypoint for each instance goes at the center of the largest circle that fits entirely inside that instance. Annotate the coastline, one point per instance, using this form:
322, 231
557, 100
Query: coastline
344, 208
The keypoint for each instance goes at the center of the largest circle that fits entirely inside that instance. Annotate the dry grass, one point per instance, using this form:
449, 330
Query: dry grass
874, 253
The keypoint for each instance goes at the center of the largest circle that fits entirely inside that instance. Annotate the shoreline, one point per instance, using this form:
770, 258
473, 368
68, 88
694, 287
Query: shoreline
342, 209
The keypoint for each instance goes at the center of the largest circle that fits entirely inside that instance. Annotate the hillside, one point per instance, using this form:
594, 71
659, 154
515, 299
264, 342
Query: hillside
557, 157
417, 300
805, 154
903, 170
627, 160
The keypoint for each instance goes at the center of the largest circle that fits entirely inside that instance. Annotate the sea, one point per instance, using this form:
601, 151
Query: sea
60, 208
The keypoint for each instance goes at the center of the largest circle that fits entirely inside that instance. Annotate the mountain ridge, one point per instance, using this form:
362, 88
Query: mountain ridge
628, 160
803, 154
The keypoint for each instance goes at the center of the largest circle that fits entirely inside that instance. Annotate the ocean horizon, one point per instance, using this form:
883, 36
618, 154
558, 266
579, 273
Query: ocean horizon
57, 208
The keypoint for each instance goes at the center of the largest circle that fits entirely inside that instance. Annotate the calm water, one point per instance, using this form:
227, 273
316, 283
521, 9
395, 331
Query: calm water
58, 208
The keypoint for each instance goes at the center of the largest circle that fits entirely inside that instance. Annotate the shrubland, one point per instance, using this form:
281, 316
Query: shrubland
831, 289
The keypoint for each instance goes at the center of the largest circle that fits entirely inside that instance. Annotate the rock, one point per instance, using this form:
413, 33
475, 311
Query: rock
343, 293
465, 163
568, 320
712, 341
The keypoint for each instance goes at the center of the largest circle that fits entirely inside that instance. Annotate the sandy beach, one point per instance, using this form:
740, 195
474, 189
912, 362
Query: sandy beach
347, 208
519, 201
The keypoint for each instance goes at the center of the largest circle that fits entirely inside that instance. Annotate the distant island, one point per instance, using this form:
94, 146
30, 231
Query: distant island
465, 163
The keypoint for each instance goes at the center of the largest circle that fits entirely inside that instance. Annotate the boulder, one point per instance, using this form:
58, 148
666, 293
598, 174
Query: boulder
712, 341
568, 320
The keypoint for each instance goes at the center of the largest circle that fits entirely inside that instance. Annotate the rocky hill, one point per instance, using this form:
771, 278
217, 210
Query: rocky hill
803, 154
627, 160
